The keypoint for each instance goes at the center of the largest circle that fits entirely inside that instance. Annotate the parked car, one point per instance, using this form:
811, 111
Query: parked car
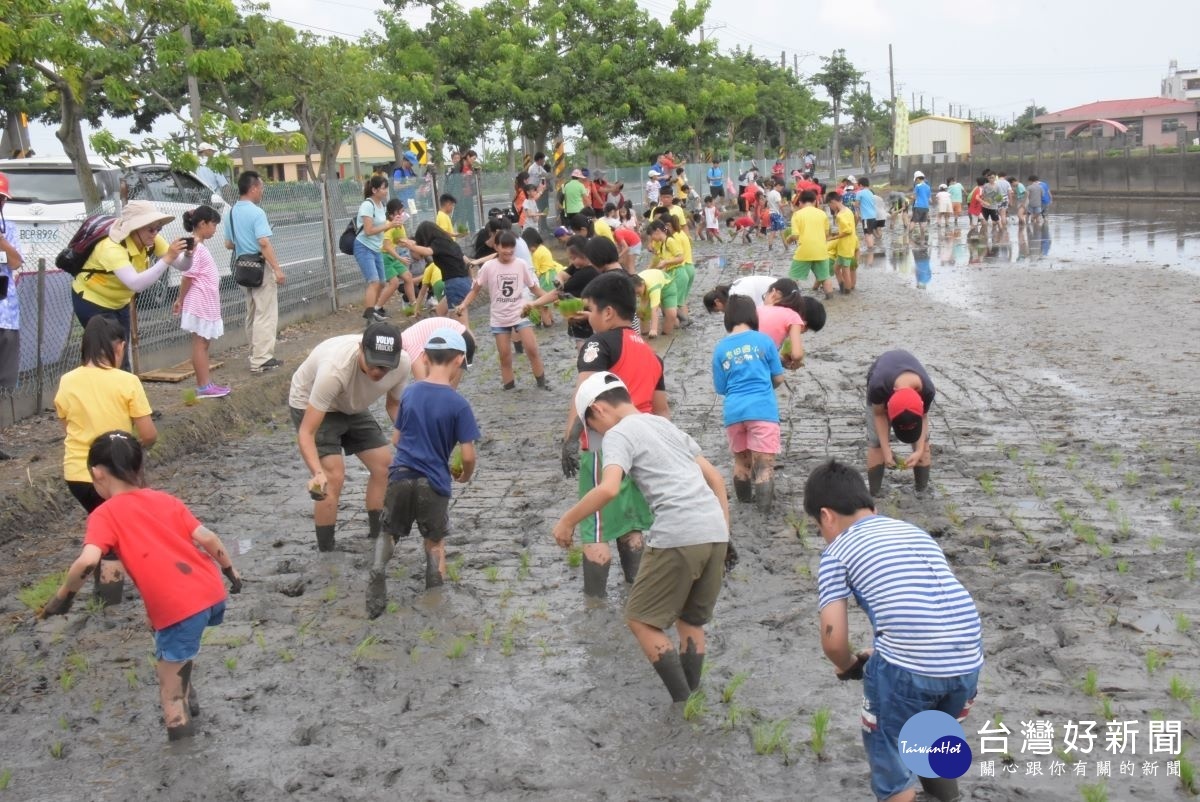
46, 206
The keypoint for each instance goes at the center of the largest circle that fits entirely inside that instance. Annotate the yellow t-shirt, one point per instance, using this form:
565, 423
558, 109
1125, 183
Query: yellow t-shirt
543, 261
664, 251
811, 226
847, 241
603, 229
679, 183
679, 214
101, 286
655, 281
432, 275
93, 401
685, 242
445, 223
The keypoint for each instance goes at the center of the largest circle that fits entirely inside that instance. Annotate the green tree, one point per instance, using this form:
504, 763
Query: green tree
1023, 127
837, 78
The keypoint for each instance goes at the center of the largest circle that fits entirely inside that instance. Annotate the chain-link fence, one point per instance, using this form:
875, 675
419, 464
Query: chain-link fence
306, 220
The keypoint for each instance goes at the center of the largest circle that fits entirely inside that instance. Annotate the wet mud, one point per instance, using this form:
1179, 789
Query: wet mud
1066, 449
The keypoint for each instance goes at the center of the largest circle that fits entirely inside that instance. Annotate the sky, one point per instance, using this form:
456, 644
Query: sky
990, 58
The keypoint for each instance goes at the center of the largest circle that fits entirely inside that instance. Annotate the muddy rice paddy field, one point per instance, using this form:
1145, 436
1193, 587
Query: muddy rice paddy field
1067, 450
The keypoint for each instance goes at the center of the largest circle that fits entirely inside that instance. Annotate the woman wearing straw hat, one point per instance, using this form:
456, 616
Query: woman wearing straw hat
119, 266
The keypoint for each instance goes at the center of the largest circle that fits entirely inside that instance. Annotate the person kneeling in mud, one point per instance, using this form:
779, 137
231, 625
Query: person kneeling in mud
681, 571
433, 420
928, 646
610, 303
171, 558
899, 393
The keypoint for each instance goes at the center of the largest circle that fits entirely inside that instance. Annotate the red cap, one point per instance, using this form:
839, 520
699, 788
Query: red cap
904, 400
4, 186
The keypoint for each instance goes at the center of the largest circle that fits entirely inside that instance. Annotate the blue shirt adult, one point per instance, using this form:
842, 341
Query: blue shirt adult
378, 214
866, 204
433, 419
921, 195
743, 366
10, 312
716, 177
247, 224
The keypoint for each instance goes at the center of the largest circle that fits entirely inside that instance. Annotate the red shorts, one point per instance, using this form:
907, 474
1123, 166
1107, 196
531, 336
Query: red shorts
754, 435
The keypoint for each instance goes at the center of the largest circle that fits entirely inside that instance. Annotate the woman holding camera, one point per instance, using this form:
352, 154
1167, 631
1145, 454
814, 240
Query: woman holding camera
119, 266
199, 304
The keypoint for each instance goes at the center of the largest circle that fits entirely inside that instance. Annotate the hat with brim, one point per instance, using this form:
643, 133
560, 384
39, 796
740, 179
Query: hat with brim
382, 346
206, 146
577, 173
137, 214
906, 412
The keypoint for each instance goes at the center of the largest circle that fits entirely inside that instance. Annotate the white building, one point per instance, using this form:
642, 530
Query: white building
942, 137
1181, 84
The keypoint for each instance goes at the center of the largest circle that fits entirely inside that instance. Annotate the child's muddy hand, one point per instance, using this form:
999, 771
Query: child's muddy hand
855, 671
563, 534
58, 605
317, 487
570, 457
235, 579
889, 459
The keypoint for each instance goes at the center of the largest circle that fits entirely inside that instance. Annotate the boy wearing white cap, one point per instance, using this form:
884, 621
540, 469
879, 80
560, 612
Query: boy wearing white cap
681, 569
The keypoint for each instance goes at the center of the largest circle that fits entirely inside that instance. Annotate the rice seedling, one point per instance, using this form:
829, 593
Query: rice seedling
428, 635
734, 715
953, 515
1132, 479
517, 619
399, 572
331, 593
1106, 708
769, 737
1125, 529
1189, 565
491, 573
393, 607
575, 556
987, 481
97, 705
63, 724
489, 627
731, 687
1180, 690
1090, 682
696, 706
1187, 776
454, 569
1072, 462
231, 663
506, 644
1094, 793
5, 779
523, 568
1165, 468
542, 612
131, 678
1070, 587
820, 728
1122, 566
1115, 458
1093, 489
458, 648
414, 654
545, 647
365, 647
803, 570
286, 656
260, 639
57, 750
66, 679
1154, 661
1049, 448
1182, 624
1112, 506
36, 595
93, 606
1177, 504
1105, 550
1084, 532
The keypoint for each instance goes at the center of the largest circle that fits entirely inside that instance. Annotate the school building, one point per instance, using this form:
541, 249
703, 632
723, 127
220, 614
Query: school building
1141, 121
283, 165
946, 138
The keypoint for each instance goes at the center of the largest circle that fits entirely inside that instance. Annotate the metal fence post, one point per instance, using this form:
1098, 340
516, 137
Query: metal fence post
41, 318
330, 250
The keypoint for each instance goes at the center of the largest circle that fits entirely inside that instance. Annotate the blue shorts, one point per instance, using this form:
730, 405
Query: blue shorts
456, 289
180, 642
370, 263
777, 223
891, 696
523, 323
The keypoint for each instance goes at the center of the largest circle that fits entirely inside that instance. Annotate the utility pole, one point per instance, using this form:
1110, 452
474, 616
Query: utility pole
796, 64
782, 60
892, 89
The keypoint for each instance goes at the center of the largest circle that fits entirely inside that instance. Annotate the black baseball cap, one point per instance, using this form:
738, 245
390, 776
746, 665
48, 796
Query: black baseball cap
381, 346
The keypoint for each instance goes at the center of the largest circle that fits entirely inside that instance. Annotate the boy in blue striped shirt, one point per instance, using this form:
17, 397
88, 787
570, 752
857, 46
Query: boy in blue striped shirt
927, 646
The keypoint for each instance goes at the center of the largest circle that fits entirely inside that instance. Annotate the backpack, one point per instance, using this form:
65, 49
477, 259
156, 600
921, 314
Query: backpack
346, 241
72, 258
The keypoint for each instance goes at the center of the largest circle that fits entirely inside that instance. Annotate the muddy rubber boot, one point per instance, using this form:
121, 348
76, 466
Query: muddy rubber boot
921, 478
670, 671
940, 789
325, 537
433, 577
595, 579
743, 489
193, 701
764, 495
693, 666
630, 560
110, 581
182, 731
875, 480
541, 382
374, 522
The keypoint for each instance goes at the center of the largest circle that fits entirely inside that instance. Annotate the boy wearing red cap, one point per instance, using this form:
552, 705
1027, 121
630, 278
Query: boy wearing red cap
899, 394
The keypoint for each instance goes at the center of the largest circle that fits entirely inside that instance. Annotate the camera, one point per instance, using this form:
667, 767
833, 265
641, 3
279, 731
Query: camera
189, 243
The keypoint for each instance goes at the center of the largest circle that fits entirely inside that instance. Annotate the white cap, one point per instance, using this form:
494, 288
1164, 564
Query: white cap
593, 386
653, 174
206, 146
918, 174
851, 179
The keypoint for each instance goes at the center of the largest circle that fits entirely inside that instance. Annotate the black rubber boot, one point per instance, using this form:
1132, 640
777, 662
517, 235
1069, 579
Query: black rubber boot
595, 579
670, 671
376, 593
764, 495
743, 489
374, 521
433, 577
921, 478
630, 560
692, 663
940, 789
875, 479
325, 537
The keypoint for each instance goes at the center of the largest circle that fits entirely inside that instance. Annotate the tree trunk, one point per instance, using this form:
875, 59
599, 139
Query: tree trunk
70, 134
509, 138
837, 113
247, 159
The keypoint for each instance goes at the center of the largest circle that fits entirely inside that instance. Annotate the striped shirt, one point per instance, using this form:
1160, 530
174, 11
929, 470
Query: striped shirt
924, 619
204, 297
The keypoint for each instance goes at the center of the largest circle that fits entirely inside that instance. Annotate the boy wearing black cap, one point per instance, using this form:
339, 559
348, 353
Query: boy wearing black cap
331, 394
900, 394
433, 419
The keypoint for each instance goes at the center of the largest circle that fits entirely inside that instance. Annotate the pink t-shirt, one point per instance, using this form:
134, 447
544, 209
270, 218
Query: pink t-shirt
413, 338
774, 321
506, 285
204, 298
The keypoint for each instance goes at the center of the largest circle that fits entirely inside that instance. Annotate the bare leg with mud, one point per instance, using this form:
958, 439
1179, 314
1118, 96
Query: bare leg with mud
629, 548
662, 655
691, 652
763, 476
376, 461
377, 581
597, 559
435, 563
171, 680
325, 510
743, 484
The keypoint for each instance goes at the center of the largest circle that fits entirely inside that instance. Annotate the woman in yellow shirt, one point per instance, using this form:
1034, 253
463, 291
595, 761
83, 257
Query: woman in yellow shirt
92, 399
119, 266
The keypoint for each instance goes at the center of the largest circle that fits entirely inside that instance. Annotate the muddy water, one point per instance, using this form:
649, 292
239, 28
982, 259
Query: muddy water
1066, 456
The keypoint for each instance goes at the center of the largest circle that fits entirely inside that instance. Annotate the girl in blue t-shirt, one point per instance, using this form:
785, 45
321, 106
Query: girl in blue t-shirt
746, 370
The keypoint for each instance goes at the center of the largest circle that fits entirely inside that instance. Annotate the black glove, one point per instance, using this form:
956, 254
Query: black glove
235, 581
58, 606
570, 457
855, 671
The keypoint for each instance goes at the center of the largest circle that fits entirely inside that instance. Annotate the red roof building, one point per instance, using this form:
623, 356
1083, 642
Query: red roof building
1144, 120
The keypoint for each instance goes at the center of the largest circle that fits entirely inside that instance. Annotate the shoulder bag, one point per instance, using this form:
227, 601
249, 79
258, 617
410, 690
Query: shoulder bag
249, 269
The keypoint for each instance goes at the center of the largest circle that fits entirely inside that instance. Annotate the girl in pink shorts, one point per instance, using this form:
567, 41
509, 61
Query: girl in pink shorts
746, 370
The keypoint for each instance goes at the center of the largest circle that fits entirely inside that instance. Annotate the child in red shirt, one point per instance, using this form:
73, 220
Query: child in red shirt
158, 540
741, 225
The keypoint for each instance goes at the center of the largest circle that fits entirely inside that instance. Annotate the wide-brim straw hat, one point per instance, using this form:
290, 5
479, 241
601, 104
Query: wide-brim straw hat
137, 214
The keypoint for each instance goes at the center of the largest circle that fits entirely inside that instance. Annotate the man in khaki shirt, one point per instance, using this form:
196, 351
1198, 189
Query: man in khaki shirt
330, 396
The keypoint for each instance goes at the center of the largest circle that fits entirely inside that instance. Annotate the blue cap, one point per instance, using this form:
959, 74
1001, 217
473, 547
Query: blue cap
446, 339
412, 157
